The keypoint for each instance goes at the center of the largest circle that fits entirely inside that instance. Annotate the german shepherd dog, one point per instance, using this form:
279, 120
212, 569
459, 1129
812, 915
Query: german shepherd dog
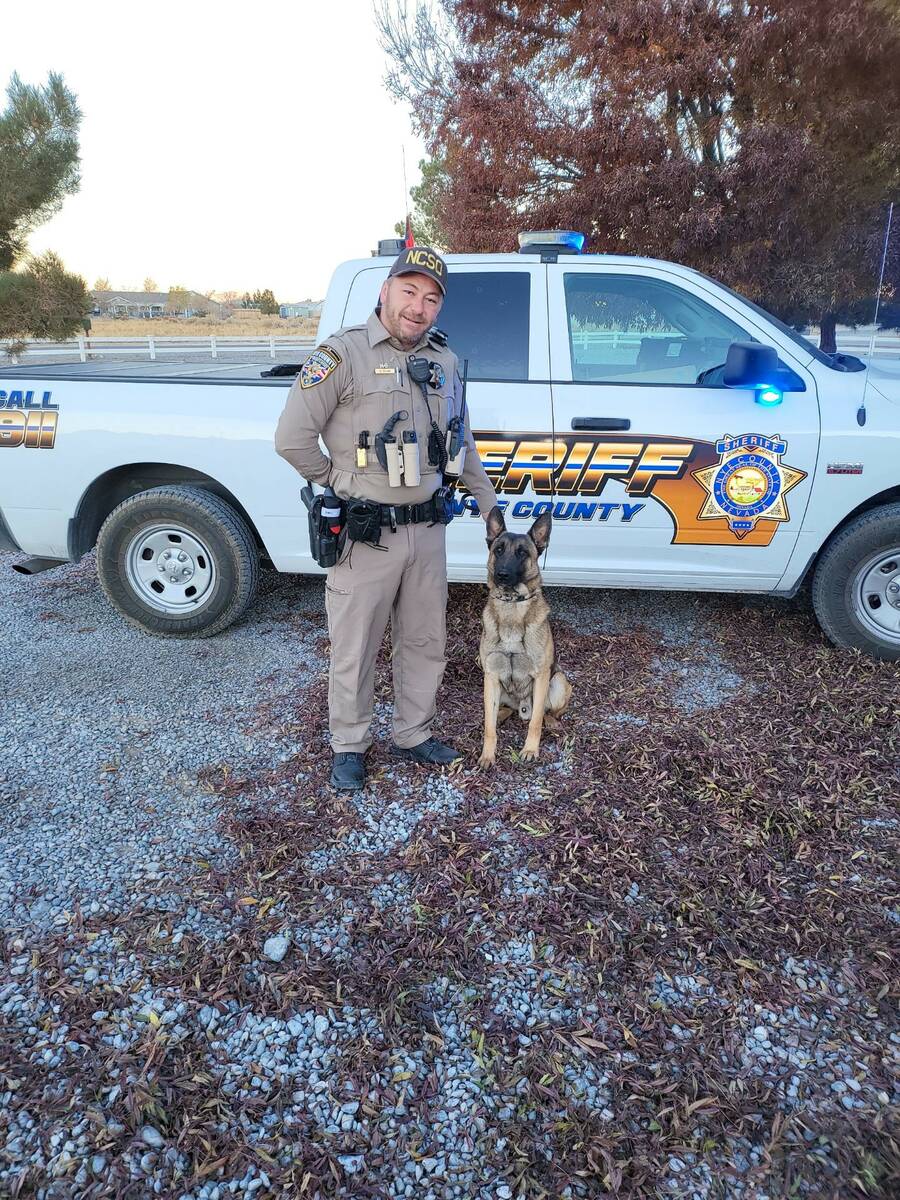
516, 653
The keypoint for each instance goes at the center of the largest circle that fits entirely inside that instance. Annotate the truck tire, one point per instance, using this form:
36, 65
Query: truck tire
856, 585
178, 561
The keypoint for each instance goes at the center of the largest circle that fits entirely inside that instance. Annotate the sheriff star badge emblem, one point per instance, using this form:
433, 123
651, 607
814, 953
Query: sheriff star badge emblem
749, 483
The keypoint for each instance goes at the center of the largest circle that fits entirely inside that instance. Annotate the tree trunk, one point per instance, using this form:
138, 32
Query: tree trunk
827, 327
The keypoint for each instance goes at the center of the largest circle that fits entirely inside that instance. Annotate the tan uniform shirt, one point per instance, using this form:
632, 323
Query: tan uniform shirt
367, 383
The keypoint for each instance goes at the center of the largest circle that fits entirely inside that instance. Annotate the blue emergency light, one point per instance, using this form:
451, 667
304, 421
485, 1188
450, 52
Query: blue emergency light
769, 396
560, 241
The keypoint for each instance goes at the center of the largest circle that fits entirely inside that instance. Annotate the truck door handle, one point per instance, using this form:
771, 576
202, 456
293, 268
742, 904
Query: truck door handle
604, 423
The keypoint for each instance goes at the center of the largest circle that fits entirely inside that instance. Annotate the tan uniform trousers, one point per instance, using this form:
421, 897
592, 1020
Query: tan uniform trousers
406, 584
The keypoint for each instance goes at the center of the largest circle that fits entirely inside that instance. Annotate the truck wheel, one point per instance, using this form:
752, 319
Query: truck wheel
856, 586
178, 561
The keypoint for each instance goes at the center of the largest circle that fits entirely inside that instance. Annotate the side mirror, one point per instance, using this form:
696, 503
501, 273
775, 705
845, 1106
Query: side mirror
750, 365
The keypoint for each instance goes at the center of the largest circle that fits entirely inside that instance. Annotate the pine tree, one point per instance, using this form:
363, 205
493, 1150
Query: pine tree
38, 169
266, 302
426, 197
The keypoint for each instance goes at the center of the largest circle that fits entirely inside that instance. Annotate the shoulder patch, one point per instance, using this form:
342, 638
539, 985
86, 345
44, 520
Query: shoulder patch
318, 366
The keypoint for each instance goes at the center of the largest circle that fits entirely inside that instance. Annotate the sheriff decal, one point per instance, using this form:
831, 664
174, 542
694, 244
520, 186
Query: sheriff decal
721, 493
749, 483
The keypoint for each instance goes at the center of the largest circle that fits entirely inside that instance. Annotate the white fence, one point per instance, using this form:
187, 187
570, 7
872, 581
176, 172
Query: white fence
858, 343
849, 341
277, 347
152, 347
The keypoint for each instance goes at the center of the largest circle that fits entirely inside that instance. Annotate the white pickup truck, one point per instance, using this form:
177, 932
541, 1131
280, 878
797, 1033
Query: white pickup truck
598, 390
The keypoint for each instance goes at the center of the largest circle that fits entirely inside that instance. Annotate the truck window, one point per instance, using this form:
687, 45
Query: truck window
486, 317
632, 329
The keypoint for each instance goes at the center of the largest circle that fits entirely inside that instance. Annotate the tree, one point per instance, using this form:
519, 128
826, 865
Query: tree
150, 285
426, 197
263, 301
38, 159
179, 299
38, 169
102, 284
43, 301
758, 141
267, 302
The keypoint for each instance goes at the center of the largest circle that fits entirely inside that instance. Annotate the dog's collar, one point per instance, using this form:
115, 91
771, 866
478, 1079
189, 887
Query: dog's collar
515, 599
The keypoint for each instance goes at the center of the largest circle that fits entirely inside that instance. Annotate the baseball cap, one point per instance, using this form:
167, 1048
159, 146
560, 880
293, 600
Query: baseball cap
424, 261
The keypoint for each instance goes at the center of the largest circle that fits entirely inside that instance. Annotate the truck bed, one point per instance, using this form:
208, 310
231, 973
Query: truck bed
107, 370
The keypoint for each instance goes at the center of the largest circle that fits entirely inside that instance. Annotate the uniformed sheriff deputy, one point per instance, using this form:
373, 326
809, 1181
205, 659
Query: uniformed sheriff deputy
348, 391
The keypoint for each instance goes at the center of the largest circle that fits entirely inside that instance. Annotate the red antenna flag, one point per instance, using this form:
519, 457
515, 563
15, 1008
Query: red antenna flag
408, 240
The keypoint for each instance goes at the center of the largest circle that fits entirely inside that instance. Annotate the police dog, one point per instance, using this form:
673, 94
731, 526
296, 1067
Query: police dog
516, 653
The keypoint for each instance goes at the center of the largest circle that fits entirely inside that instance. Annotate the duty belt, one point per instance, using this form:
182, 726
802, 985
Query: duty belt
407, 514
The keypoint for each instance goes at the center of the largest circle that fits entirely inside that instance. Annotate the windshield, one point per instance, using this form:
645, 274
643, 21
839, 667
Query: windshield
803, 342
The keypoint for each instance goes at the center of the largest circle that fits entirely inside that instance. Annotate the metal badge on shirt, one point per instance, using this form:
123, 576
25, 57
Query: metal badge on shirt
437, 378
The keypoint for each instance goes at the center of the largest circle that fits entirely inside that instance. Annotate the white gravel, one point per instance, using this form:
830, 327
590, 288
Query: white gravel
105, 730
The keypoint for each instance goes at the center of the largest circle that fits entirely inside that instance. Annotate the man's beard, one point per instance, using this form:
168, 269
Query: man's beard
406, 343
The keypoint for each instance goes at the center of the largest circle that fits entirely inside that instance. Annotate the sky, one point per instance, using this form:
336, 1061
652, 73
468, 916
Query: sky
224, 146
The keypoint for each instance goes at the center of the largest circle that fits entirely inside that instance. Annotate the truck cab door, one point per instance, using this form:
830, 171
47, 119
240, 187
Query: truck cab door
663, 479
495, 315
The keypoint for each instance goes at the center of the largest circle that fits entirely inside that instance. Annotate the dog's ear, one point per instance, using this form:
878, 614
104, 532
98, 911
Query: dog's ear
495, 525
540, 531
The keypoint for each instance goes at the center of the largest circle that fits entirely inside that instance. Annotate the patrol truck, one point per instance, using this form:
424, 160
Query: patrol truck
681, 436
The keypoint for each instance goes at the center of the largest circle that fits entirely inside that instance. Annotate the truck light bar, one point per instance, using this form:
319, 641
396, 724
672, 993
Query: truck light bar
389, 247
559, 241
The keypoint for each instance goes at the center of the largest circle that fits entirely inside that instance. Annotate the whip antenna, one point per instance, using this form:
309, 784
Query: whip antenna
408, 238
861, 411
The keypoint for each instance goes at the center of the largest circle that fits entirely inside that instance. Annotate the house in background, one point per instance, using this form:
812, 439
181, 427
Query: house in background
153, 304
304, 308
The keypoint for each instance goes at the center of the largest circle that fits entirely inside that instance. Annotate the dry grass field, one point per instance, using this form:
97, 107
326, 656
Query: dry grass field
244, 323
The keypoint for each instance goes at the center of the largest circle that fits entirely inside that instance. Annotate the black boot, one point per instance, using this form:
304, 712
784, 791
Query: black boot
348, 772
431, 752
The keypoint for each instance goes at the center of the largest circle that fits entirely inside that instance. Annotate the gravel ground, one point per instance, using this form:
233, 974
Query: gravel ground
105, 731
221, 980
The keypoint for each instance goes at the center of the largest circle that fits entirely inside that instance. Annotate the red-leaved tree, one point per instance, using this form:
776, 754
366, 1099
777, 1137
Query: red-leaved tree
757, 140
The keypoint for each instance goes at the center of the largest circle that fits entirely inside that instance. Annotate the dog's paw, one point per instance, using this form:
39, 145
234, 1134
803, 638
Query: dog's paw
486, 761
529, 753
